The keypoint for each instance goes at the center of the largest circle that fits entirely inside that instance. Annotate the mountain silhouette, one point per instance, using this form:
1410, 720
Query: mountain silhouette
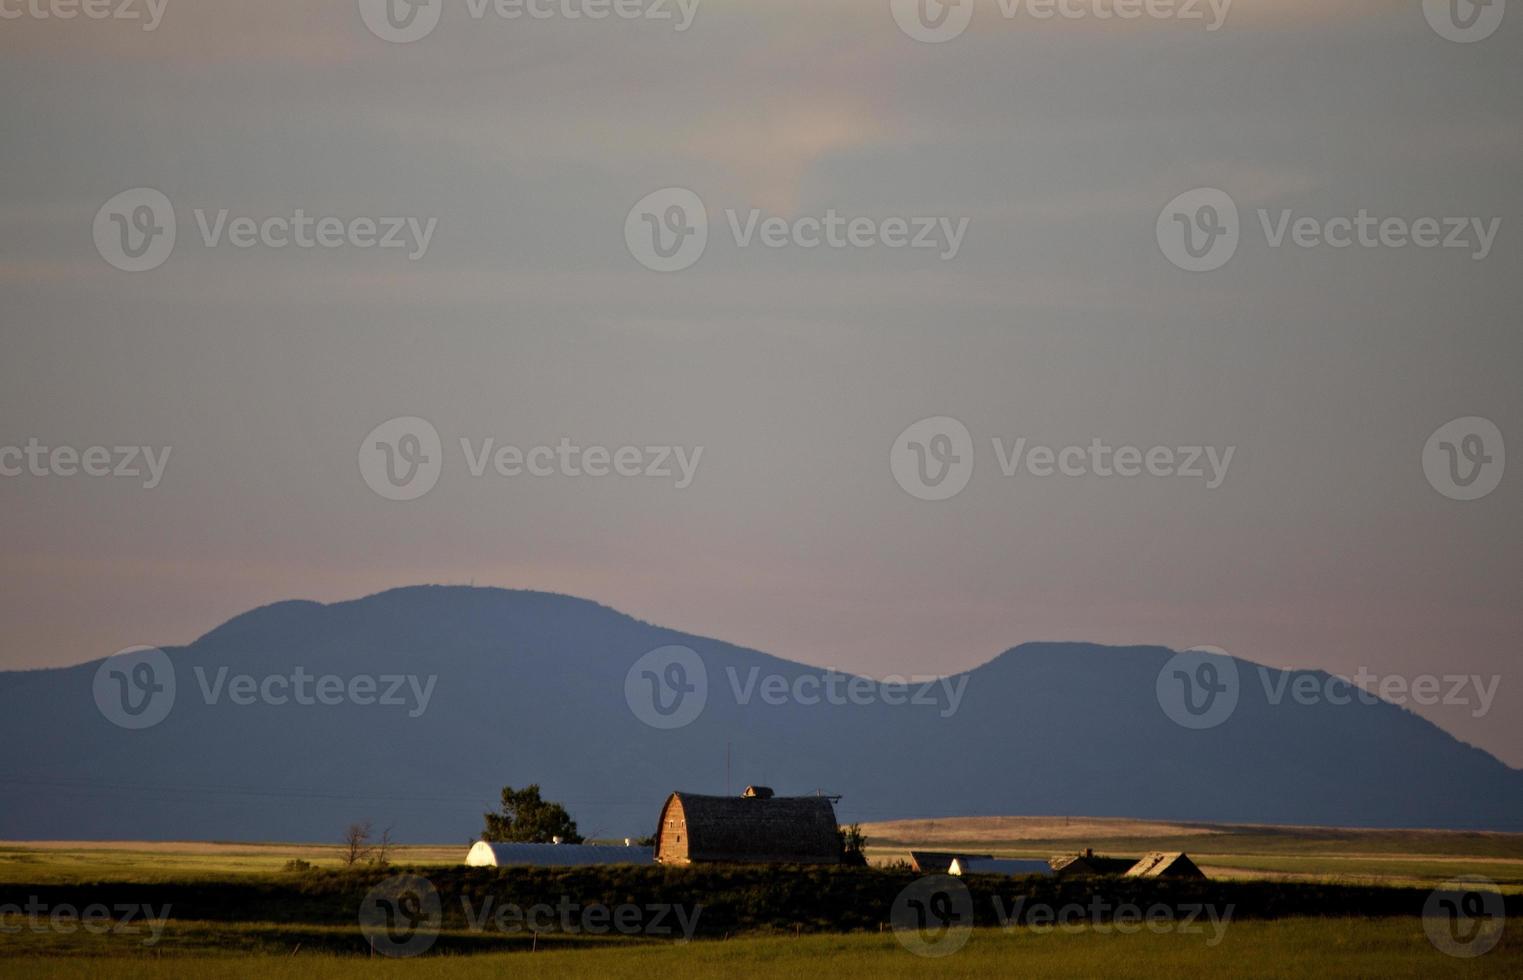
530, 687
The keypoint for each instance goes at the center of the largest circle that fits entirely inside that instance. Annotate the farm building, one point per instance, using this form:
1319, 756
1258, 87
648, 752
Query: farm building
940, 862
755, 828
1165, 864
1090, 863
487, 855
998, 866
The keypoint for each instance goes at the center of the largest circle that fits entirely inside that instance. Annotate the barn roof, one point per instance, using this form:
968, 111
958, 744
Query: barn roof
1090, 864
1165, 864
998, 866
940, 862
484, 854
775, 829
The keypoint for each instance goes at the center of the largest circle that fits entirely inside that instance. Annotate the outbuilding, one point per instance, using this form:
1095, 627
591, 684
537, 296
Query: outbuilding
1165, 864
1011, 867
484, 854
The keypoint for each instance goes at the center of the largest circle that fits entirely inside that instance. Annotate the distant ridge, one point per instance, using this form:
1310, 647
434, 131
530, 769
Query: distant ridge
530, 687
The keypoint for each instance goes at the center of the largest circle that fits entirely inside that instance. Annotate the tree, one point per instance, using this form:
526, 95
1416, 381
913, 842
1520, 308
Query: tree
526, 818
853, 846
356, 843
383, 847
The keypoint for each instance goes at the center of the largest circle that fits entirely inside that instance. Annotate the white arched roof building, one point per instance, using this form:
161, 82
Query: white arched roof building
486, 855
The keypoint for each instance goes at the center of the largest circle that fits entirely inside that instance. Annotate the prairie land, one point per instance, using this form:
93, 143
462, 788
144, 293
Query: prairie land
1294, 948
1309, 902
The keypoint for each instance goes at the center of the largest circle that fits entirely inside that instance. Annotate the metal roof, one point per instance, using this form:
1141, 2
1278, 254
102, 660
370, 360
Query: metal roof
484, 854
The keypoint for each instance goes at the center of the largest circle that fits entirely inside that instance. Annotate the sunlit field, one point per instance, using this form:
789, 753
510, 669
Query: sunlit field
1288, 948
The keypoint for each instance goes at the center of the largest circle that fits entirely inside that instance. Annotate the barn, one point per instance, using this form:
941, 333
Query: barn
1165, 864
758, 827
490, 855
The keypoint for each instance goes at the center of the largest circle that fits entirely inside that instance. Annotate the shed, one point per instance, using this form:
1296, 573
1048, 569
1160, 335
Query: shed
758, 828
999, 866
940, 862
1090, 863
487, 855
1165, 864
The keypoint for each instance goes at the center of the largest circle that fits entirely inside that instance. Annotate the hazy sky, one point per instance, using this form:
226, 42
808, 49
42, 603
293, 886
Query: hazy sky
528, 320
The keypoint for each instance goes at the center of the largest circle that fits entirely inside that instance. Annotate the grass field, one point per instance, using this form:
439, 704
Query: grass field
240, 912
1301, 948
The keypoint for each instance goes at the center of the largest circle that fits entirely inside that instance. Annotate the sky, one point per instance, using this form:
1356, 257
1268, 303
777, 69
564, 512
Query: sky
1056, 150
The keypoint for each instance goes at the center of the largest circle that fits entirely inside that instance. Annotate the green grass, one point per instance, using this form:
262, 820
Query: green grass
1293, 948
38, 864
